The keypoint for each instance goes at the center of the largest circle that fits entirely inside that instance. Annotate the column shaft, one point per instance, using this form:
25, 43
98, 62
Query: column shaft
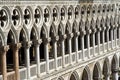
63, 53
28, 61
93, 38
76, 48
103, 41
69, 50
16, 60
88, 44
98, 42
47, 57
55, 54
4, 67
38, 58
108, 39
82, 43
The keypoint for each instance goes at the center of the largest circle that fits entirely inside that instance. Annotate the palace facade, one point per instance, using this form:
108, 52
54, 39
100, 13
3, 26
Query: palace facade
59, 40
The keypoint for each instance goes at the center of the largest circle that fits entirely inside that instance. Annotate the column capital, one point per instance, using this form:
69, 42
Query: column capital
55, 38
16, 46
4, 48
37, 42
88, 31
70, 35
115, 70
46, 40
76, 34
62, 37
82, 33
27, 44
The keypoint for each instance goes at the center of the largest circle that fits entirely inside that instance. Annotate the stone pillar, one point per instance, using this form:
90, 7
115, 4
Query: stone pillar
115, 74
112, 38
76, 45
98, 42
16, 48
108, 39
3, 51
88, 42
70, 49
115, 34
103, 41
107, 76
46, 41
55, 50
37, 51
82, 43
62, 38
119, 37
27, 52
93, 36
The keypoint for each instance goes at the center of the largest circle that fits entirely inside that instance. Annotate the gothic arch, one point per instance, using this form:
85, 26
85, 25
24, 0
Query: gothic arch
97, 71
24, 34
12, 37
106, 67
60, 30
52, 30
74, 76
34, 33
60, 78
114, 63
86, 75
44, 31
75, 27
68, 28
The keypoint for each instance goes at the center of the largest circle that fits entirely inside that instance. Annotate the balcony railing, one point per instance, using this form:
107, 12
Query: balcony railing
11, 75
1, 77
23, 73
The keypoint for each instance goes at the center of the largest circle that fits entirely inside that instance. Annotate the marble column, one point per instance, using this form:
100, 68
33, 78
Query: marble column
107, 76
103, 40
88, 42
3, 51
27, 52
70, 49
46, 50
55, 50
98, 42
112, 38
62, 39
115, 74
82, 43
108, 39
16, 48
37, 51
93, 38
76, 45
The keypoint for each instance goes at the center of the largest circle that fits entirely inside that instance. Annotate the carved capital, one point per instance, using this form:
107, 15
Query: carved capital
27, 44
46, 40
4, 49
37, 42
70, 35
16, 46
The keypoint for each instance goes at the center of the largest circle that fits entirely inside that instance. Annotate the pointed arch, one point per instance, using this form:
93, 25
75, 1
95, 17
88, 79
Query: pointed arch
52, 30
106, 66
86, 75
97, 71
74, 76
68, 28
60, 29
34, 34
44, 32
114, 63
60, 78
